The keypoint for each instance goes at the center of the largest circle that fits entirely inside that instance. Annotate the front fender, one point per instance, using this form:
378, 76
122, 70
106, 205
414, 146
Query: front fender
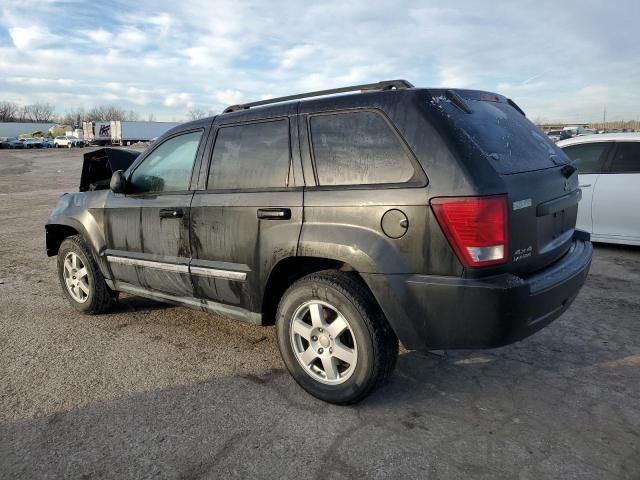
83, 212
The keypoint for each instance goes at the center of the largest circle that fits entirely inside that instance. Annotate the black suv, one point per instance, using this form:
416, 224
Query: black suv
443, 218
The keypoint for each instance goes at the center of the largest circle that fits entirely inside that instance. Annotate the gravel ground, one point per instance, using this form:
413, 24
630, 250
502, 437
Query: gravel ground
153, 391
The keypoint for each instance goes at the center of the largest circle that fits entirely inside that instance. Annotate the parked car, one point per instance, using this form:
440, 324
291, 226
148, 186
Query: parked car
31, 143
555, 135
10, 142
609, 170
442, 218
47, 143
67, 141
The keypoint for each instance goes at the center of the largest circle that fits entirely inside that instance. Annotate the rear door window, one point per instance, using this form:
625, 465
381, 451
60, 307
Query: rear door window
251, 156
588, 157
358, 148
626, 158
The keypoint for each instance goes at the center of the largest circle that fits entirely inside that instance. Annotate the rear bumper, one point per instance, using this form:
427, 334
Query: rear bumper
434, 312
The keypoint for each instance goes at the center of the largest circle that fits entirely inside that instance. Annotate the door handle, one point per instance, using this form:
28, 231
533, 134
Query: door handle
274, 213
171, 213
585, 185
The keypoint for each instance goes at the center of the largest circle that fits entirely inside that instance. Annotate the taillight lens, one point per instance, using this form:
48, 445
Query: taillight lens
476, 228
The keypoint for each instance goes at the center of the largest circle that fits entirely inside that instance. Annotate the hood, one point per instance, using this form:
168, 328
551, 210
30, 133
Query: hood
99, 165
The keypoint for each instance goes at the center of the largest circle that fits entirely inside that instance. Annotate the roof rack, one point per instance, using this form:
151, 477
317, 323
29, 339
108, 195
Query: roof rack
369, 87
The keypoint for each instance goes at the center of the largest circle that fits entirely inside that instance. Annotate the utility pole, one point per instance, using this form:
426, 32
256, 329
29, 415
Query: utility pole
604, 115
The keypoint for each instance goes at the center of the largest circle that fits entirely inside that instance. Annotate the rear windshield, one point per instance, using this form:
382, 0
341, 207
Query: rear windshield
511, 142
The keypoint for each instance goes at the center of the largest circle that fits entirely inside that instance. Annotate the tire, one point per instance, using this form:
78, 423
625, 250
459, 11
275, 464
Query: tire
367, 338
94, 296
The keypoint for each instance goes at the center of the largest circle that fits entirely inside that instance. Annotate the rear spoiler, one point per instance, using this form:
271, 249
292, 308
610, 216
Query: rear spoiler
99, 165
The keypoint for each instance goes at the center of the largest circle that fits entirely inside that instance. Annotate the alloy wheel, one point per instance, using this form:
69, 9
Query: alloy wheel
323, 342
76, 277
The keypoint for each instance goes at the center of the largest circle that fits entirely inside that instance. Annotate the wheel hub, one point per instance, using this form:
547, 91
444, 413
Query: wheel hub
324, 341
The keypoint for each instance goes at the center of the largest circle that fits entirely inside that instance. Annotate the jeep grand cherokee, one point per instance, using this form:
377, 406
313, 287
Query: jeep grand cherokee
442, 218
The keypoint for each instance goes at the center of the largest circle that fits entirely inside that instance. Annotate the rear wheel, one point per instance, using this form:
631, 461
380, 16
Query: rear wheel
334, 338
81, 279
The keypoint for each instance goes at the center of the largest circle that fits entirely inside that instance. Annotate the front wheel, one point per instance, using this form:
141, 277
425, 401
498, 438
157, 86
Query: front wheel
333, 337
81, 278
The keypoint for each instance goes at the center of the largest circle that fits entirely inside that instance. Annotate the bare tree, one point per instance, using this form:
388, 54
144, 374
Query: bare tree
196, 113
39, 112
104, 112
151, 117
23, 113
8, 112
73, 117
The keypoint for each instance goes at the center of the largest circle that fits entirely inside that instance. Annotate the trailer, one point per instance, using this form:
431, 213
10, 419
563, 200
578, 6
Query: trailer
13, 129
127, 133
97, 133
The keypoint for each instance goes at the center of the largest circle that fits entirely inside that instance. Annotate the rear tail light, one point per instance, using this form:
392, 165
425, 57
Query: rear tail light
476, 228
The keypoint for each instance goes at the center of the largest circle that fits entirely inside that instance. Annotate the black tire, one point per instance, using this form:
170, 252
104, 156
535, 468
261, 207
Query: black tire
100, 297
377, 344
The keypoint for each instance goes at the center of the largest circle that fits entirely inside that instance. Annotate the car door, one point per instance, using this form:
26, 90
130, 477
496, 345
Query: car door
147, 229
249, 215
616, 202
589, 159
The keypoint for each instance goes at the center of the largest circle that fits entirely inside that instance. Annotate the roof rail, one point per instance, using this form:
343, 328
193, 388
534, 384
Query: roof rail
369, 87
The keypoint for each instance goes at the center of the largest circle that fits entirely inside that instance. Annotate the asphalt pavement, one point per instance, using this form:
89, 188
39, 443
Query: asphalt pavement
156, 391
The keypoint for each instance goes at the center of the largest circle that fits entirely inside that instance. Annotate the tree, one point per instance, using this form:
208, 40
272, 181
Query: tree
8, 112
73, 117
196, 113
39, 112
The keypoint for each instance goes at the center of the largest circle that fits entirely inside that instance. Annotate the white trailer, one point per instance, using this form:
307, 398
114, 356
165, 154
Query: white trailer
126, 133
98, 133
13, 129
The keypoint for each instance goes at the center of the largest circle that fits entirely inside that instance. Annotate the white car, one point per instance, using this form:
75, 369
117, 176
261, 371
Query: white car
609, 175
67, 141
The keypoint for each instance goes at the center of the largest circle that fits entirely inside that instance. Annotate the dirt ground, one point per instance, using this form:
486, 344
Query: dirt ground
154, 391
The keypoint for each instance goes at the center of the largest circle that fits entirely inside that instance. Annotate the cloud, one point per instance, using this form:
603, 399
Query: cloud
165, 57
178, 100
32, 36
100, 36
294, 55
229, 97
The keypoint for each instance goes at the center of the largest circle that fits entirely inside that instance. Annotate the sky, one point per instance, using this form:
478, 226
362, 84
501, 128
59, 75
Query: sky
560, 61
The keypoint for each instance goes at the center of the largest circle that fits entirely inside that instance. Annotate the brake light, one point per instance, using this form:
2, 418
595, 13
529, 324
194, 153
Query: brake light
476, 228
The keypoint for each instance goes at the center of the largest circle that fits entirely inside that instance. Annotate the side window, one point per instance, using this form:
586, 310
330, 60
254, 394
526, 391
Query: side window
627, 158
253, 155
357, 148
587, 157
168, 167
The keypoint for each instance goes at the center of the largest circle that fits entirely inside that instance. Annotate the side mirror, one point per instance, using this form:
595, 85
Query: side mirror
118, 182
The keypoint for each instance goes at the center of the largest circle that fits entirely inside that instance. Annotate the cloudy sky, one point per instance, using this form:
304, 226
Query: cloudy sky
559, 60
